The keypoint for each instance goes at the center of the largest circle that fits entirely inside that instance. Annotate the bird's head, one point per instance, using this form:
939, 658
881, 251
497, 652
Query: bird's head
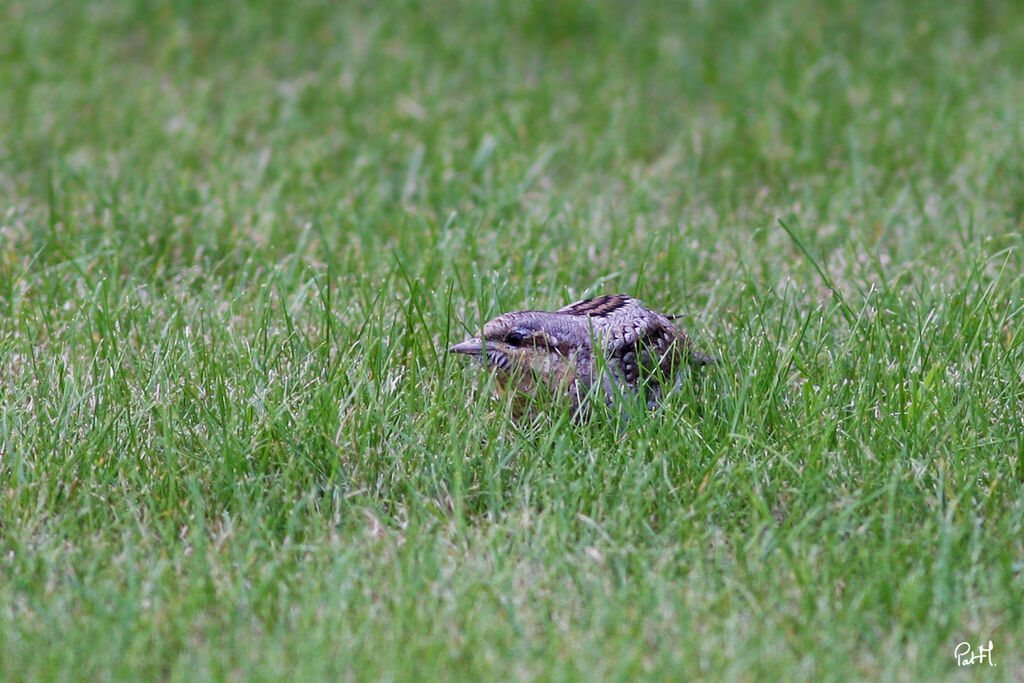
527, 348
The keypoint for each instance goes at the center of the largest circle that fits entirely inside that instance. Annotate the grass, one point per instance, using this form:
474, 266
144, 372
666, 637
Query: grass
237, 238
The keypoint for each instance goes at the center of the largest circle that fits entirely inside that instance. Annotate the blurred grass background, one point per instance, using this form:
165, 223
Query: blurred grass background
237, 237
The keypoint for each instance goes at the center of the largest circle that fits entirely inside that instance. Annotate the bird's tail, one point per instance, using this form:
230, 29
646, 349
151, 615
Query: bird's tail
699, 359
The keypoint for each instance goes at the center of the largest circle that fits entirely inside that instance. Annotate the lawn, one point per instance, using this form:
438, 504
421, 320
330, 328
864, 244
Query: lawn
237, 238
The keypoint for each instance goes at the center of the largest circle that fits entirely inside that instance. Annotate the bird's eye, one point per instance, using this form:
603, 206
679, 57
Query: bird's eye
516, 336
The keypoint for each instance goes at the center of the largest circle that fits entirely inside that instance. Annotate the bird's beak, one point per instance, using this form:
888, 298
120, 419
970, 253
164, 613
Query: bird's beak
470, 347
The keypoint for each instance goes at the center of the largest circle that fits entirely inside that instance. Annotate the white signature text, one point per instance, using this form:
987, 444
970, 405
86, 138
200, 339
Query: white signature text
965, 657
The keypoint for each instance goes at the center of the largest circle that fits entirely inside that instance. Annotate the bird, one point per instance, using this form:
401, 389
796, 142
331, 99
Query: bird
608, 346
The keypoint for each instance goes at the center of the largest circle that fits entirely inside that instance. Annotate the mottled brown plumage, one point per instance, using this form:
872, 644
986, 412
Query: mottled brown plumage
612, 342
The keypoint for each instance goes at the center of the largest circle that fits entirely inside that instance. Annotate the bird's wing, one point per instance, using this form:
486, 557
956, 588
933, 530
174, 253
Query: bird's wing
636, 339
